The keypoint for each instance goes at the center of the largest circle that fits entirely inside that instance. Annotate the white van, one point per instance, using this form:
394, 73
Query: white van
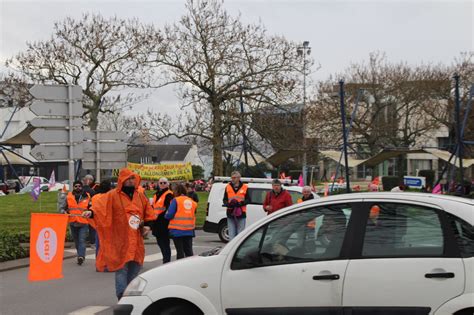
216, 214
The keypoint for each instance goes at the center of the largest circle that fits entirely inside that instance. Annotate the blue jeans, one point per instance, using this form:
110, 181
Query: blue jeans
235, 225
79, 234
124, 276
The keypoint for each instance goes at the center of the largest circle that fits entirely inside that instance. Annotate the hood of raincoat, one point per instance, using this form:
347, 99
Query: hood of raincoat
125, 174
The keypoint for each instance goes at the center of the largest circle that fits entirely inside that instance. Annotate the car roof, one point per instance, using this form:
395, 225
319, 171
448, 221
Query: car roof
261, 185
460, 207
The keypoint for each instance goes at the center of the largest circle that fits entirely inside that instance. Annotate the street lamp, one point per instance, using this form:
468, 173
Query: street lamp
303, 51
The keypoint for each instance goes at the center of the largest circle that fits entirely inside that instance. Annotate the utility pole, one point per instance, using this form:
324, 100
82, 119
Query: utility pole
303, 51
459, 143
344, 134
244, 138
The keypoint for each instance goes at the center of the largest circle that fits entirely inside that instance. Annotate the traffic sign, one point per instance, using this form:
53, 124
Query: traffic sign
55, 152
61, 108
55, 122
103, 165
56, 92
105, 135
43, 135
105, 146
106, 157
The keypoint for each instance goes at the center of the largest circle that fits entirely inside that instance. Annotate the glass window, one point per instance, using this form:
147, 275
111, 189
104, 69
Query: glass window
257, 196
402, 230
295, 195
309, 235
464, 235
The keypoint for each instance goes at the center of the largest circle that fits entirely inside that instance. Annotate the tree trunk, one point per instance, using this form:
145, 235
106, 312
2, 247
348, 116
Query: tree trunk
94, 116
217, 165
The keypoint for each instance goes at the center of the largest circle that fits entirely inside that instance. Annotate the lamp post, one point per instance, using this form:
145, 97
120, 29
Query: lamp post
302, 51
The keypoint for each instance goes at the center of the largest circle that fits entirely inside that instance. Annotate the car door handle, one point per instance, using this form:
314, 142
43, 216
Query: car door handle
440, 275
326, 277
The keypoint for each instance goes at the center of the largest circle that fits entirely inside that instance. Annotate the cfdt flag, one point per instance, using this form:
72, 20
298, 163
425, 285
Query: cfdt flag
47, 235
35, 192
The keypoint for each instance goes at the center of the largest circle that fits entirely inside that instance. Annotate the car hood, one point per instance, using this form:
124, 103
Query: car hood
191, 272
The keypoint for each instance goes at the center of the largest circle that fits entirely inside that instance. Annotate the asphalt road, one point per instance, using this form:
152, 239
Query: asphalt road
82, 290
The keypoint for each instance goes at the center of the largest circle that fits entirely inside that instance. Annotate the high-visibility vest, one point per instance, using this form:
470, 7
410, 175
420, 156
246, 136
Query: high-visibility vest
76, 209
159, 205
239, 195
185, 217
299, 200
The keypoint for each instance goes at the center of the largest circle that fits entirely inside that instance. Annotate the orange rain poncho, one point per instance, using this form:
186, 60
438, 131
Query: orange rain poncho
118, 221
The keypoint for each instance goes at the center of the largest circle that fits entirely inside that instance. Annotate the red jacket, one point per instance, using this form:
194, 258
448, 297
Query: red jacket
282, 200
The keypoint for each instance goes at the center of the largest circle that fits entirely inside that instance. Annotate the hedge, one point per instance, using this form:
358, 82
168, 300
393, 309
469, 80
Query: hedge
10, 246
389, 182
429, 175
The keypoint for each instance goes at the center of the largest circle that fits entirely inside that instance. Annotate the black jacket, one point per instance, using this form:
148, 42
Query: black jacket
160, 225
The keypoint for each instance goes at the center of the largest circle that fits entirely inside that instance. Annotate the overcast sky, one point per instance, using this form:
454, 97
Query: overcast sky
339, 32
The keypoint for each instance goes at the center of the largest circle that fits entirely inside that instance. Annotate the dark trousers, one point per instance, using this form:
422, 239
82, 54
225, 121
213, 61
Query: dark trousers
164, 245
184, 246
92, 233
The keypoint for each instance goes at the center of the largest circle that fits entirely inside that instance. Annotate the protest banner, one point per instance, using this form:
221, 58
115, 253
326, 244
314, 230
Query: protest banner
180, 171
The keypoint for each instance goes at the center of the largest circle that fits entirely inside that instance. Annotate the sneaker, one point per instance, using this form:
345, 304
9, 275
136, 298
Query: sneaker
80, 260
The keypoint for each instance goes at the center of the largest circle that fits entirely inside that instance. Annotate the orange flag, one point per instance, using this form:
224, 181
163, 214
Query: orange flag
47, 235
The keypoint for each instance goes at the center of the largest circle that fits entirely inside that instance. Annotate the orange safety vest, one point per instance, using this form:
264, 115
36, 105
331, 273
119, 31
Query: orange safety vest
239, 195
159, 205
76, 209
185, 217
299, 200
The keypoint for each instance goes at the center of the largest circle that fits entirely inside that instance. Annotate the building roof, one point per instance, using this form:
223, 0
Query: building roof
159, 152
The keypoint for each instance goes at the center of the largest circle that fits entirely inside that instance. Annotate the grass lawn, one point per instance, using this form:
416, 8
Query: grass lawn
15, 209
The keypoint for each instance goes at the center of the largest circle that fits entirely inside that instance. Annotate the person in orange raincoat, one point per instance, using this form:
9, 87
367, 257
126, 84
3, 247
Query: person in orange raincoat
102, 189
122, 218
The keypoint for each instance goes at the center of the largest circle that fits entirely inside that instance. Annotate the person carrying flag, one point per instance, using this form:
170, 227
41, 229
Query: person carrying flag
122, 217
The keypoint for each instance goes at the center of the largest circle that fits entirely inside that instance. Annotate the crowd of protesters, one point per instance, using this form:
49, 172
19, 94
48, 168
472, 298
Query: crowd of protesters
117, 220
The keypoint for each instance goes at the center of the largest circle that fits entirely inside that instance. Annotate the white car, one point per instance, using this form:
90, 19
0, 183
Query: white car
363, 253
216, 214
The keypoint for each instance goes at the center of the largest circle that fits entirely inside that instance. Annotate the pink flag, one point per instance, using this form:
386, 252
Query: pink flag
300, 181
35, 192
52, 180
437, 189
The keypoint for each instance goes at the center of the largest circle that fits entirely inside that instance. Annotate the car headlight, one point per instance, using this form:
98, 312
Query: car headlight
135, 287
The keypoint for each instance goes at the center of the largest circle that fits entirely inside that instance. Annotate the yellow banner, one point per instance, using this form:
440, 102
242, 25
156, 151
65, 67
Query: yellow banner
182, 171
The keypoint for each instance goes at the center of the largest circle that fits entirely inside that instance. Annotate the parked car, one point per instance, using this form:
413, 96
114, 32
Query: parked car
216, 214
4, 188
28, 188
362, 253
12, 183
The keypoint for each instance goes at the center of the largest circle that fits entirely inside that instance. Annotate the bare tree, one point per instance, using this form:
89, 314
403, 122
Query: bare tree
393, 101
102, 55
14, 91
216, 58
